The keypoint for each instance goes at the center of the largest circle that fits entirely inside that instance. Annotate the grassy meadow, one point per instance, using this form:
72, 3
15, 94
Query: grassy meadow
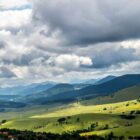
93, 119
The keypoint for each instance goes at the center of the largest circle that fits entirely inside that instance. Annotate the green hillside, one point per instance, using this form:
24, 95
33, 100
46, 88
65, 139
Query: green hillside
102, 119
133, 130
127, 94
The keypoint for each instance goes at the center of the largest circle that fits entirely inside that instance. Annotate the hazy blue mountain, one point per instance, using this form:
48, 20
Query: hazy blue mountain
80, 86
106, 79
91, 81
10, 104
25, 90
77, 81
48, 93
8, 97
57, 89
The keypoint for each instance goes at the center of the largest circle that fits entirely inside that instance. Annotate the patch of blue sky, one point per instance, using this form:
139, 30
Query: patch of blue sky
24, 7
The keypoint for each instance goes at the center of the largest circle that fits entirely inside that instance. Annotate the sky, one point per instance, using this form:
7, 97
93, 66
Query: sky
68, 40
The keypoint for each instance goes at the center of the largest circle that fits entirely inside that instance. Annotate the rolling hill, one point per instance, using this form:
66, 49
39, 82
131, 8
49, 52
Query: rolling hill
127, 94
87, 120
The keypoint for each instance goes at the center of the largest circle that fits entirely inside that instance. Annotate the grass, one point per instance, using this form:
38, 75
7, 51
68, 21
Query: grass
40, 118
52, 125
75, 109
121, 131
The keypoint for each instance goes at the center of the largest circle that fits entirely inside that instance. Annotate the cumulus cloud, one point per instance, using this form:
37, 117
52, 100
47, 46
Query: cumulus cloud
86, 22
71, 62
14, 19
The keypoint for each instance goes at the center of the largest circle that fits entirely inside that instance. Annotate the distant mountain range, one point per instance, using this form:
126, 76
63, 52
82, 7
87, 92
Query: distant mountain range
48, 93
40, 87
93, 91
28, 89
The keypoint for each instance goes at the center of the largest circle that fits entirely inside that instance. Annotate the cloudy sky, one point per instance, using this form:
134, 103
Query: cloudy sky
67, 40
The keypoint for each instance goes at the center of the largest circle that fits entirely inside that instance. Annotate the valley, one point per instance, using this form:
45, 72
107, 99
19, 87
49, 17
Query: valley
50, 111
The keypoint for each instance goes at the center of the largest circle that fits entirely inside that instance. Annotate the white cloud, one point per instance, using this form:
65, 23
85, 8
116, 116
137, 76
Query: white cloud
86, 61
15, 19
69, 61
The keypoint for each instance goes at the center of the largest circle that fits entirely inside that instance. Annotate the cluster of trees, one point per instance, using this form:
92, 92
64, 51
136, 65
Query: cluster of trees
65, 120
128, 117
136, 112
92, 127
3, 121
61, 120
12, 134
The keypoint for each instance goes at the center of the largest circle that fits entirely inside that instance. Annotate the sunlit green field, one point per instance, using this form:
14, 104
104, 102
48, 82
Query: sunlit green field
116, 108
121, 131
77, 117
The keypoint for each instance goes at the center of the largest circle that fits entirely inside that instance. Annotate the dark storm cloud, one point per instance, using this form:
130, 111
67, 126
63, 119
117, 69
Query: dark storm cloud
87, 22
6, 73
25, 59
109, 56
